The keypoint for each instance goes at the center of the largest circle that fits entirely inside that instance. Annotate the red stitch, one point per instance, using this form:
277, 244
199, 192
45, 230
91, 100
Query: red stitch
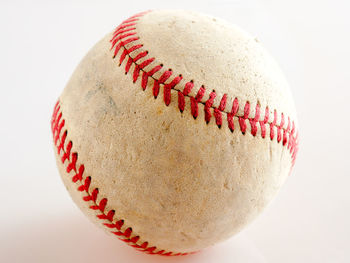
128, 232
121, 27
135, 239
145, 75
188, 87
218, 117
285, 134
72, 164
263, 129
79, 175
246, 110
119, 224
290, 142
58, 129
131, 240
146, 63
92, 196
122, 36
86, 185
253, 126
195, 100
144, 245
241, 120
235, 107
165, 76
232, 114
168, 87
54, 116
263, 123
55, 129
63, 139
207, 106
155, 88
154, 70
257, 112
109, 216
161, 80
151, 249
103, 204
181, 95
272, 125
293, 128
136, 73
267, 114
122, 44
130, 20
181, 100
194, 107
139, 56
144, 80
120, 32
66, 154
128, 65
222, 105
127, 52
253, 121
200, 94
279, 128
137, 67
109, 225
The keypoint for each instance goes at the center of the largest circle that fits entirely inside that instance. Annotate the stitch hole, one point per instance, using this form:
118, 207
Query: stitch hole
180, 75
191, 80
170, 69
161, 65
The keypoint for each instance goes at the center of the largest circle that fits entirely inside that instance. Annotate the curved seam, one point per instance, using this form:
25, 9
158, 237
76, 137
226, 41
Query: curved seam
119, 40
123, 232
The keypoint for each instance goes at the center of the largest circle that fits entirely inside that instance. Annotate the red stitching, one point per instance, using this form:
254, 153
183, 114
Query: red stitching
161, 80
126, 34
129, 28
207, 107
195, 100
108, 217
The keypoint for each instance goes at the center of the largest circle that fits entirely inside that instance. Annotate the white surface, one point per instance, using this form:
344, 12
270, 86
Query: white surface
41, 44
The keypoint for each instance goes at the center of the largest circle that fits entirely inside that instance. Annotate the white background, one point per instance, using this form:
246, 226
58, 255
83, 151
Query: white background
41, 44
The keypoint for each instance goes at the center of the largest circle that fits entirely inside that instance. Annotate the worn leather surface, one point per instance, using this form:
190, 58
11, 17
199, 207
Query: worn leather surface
180, 183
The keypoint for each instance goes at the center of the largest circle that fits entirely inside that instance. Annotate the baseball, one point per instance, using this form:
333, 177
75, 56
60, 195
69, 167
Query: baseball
175, 131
